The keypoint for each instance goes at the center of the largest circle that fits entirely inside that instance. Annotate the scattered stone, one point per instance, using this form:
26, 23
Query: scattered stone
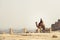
54, 36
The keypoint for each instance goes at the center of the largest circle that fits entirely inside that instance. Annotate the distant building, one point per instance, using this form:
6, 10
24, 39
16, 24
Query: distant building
11, 31
56, 26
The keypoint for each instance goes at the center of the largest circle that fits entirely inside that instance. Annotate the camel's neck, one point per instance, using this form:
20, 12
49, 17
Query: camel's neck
36, 23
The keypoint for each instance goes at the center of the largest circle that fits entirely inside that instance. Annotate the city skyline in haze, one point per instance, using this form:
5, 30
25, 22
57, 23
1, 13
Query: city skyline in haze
24, 13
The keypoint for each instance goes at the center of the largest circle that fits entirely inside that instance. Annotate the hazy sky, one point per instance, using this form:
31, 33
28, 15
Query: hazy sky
24, 13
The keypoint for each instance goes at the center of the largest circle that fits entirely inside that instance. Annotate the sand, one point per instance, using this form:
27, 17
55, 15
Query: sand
30, 36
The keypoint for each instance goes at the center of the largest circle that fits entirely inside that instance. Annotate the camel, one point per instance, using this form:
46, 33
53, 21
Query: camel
40, 25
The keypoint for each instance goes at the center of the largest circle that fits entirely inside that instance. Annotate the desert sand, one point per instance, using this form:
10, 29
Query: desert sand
31, 36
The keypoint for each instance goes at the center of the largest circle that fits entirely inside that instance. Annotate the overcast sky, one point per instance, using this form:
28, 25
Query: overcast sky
24, 13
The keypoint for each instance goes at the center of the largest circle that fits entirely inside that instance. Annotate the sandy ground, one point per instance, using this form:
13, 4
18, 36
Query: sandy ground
31, 36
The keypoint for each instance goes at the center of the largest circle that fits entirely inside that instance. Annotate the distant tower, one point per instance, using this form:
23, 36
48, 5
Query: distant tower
11, 31
40, 25
24, 30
